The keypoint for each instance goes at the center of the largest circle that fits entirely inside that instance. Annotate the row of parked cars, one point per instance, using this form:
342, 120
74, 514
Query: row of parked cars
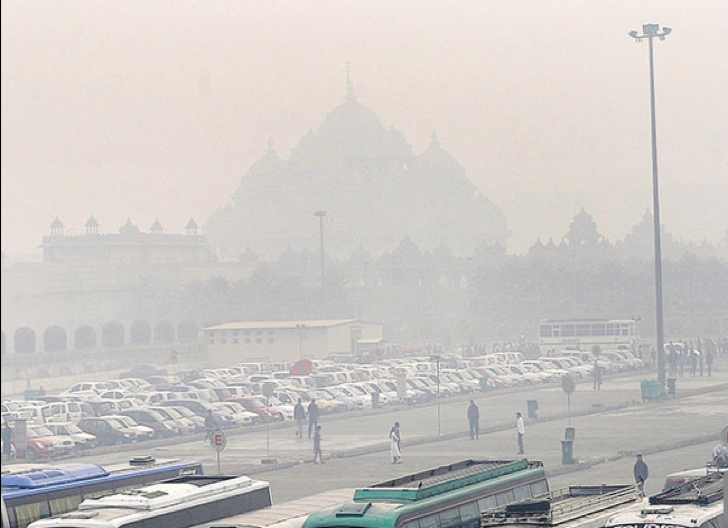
92, 413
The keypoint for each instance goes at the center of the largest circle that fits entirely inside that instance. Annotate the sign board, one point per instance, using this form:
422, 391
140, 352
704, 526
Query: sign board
219, 440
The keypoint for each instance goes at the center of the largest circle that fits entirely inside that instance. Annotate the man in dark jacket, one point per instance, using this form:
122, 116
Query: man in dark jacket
473, 419
299, 414
640, 474
313, 416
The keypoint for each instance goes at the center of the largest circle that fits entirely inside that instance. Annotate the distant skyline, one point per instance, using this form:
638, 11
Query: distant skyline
156, 109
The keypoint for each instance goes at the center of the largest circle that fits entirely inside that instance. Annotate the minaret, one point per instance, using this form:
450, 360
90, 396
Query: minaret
57, 228
191, 227
92, 226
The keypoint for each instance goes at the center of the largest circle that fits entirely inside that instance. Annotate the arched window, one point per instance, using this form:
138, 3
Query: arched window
24, 341
84, 337
54, 338
140, 333
164, 332
112, 334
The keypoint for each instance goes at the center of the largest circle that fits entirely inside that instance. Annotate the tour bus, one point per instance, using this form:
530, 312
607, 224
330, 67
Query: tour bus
451, 496
290, 514
177, 503
695, 504
29, 494
583, 334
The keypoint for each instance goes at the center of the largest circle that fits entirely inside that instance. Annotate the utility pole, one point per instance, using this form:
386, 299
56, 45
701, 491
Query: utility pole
649, 32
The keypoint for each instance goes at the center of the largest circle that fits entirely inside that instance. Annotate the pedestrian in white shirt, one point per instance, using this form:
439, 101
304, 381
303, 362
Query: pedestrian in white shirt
521, 428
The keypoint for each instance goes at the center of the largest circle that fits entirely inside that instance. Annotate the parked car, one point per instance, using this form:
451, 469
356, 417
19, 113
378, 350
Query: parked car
108, 430
162, 427
184, 425
80, 439
67, 411
61, 444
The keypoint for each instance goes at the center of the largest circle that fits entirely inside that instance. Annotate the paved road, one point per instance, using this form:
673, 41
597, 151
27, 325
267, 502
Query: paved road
600, 436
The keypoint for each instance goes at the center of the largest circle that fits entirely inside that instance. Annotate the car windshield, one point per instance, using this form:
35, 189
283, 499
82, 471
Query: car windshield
72, 429
42, 431
122, 422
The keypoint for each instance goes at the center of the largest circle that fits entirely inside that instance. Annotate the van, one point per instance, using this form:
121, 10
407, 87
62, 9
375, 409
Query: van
63, 412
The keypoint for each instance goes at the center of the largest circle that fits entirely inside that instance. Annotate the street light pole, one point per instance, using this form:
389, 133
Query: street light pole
437, 362
649, 32
321, 215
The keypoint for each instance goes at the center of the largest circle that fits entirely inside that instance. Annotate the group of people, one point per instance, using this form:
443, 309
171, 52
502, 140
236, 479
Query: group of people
312, 414
693, 356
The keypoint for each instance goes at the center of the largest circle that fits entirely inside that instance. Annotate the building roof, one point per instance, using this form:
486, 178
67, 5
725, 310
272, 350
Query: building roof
256, 325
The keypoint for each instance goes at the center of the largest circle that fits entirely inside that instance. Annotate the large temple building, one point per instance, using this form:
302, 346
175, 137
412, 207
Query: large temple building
374, 189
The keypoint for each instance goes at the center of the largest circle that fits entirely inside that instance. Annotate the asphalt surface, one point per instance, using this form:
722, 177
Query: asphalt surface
611, 426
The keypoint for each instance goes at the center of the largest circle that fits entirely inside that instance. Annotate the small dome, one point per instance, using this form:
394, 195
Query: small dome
156, 227
192, 224
92, 222
57, 224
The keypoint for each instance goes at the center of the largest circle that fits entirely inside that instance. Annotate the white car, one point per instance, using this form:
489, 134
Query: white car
236, 413
70, 430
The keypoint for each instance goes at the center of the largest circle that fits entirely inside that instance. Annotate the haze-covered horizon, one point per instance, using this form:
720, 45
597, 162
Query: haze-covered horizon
157, 110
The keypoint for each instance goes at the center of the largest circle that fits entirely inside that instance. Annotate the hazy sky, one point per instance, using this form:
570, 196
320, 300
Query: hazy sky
156, 109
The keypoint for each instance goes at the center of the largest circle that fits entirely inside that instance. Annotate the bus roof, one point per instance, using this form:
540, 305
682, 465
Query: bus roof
43, 478
288, 514
575, 506
424, 484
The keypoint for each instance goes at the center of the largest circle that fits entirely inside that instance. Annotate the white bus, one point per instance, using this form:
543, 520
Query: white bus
696, 504
583, 334
290, 514
177, 503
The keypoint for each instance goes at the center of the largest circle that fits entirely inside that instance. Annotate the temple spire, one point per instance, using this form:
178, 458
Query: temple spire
349, 86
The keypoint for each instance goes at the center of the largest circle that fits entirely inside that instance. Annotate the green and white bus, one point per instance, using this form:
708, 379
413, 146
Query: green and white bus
452, 496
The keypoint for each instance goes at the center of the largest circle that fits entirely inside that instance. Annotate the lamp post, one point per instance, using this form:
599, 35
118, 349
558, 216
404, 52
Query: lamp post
650, 32
437, 362
321, 215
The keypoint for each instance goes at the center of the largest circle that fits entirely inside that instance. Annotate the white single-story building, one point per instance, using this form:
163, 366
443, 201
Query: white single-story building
238, 342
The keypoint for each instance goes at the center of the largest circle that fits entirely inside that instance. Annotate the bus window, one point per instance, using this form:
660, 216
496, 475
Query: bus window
504, 497
429, 521
27, 513
486, 503
522, 492
469, 517
539, 488
449, 518
64, 505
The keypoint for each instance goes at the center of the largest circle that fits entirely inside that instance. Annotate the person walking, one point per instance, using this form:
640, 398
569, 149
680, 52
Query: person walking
317, 453
653, 358
299, 414
709, 362
521, 430
395, 439
313, 416
640, 474
473, 419
210, 424
597, 376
